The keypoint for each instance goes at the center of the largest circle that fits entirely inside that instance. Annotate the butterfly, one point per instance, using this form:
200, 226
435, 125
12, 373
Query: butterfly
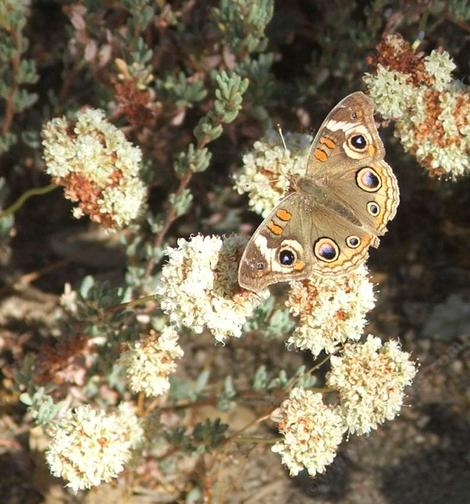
332, 215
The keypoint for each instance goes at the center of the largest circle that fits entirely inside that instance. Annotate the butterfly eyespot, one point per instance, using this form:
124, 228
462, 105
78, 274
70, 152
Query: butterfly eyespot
358, 142
368, 179
286, 257
326, 249
259, 266
373, 208
353, 241
354, 115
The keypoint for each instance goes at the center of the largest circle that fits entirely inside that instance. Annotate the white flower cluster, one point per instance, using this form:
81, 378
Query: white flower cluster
97, 167
431, 110
311, 430
268, 168
370, 378
149, 362
331, 310
89, 447
199, 286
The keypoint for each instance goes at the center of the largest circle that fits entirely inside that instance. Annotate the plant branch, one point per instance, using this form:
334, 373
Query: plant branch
294, 380
257, 440
128, 304
171, 216
36, 191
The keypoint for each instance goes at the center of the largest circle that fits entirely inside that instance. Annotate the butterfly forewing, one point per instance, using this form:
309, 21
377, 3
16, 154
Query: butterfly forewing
332, 150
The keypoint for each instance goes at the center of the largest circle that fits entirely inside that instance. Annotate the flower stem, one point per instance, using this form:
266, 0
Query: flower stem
170, 218
255, 439
128, 304
36, 191
295, 379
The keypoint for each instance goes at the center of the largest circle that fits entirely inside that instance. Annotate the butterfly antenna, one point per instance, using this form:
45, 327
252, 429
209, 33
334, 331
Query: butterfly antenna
279, 129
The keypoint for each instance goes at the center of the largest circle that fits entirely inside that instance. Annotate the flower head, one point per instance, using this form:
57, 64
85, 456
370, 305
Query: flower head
97, 167
439, 66
370, 378
89, 447
431, 109
199, 286
268, 168
311, 432
392, 91
331, 310
149, 362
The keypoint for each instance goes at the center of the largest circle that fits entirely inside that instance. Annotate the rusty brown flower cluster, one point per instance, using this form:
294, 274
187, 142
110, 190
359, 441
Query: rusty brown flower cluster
430, 108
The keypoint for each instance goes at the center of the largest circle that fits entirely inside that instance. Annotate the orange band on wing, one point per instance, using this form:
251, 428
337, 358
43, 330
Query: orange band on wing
283, 214
328, 142
274, 228
320, 154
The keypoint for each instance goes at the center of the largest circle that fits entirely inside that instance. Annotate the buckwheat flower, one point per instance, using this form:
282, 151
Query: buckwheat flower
440, 66
89, 447
199, 286
431, 109
370, 378
392, 90
149, 363
311, 430
331, 310
97, 166
268, 168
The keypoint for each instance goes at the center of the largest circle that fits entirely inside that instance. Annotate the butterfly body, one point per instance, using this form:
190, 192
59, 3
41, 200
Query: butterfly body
332, 215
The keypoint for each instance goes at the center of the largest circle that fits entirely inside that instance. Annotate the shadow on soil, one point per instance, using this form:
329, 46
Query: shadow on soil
437, 475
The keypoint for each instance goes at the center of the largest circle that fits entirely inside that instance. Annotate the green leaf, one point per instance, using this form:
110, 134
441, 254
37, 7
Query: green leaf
23, 100
202, 381
194, 495
206, 131
7, 141
180, 90
25, 398
87, 283
260, 380
196, 160
181, 202
27, 73
225, 402
242, 24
